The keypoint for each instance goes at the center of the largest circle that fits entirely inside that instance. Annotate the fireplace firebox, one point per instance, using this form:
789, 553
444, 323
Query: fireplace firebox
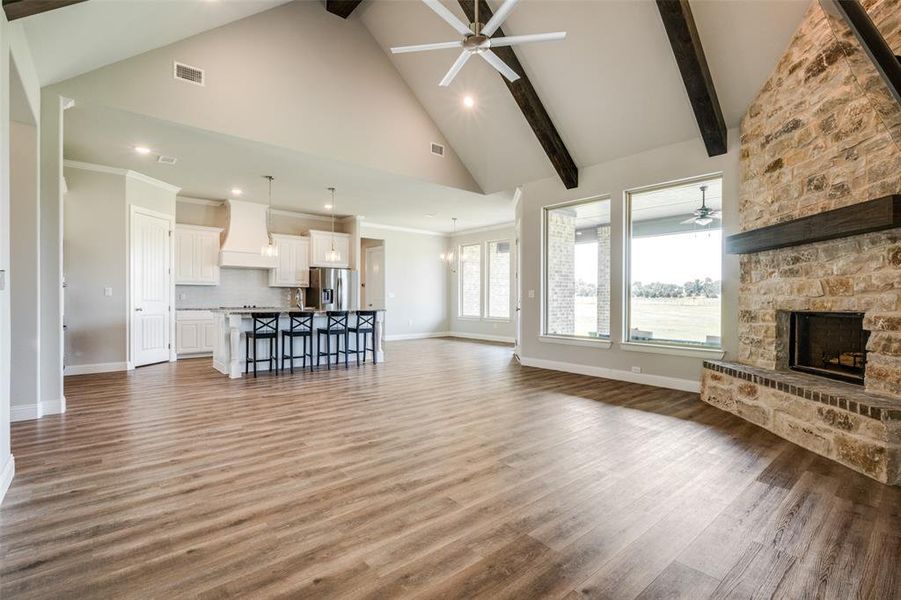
829, 344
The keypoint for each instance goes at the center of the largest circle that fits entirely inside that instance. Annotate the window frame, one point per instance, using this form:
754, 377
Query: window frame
663, 347
460, 313
575, 340
486, 313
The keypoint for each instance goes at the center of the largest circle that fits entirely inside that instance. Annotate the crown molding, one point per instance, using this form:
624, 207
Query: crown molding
299, 215
368, 224
127, 173
509, 225
199, 201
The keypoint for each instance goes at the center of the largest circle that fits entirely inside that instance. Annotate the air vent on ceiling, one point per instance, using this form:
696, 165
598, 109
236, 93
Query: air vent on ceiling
188, 73
167, 160
437, 149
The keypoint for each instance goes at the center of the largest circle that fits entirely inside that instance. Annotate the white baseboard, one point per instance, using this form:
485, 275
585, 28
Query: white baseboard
29, 412
24, 412
674, 383
6, 476
97, 368
482, 337
416, 336
453, 334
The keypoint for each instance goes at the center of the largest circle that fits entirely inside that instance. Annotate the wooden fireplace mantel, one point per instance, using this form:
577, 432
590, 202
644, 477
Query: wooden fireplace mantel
865, 217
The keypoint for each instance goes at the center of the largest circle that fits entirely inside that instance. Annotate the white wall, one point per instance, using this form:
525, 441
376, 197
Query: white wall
489, 329
296, 77
13, 49
96, 256
415, 282
669, 163
24, 273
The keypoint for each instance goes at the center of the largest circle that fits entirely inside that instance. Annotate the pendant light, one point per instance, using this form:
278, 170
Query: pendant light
269, 249
333, 256
448, 256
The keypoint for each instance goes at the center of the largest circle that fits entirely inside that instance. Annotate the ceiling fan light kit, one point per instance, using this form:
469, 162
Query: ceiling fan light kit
704, 215
477, 39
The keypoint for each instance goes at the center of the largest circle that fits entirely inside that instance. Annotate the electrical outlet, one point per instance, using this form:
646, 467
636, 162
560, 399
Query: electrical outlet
636, 369
182, 296
108, 292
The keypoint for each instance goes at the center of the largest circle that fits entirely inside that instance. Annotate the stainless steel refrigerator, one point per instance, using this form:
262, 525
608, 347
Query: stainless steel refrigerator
333, 289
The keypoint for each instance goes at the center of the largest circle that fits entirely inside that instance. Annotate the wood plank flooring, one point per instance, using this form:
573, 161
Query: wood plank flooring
447, 472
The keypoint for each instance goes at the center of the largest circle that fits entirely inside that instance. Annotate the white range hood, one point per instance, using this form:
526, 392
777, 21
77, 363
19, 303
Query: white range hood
245, 237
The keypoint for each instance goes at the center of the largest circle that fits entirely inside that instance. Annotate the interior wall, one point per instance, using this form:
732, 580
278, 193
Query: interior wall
15, 56
216, 215
312, 107
96, 260
487, 328
614, 178
24, 281
95, 250
415, 282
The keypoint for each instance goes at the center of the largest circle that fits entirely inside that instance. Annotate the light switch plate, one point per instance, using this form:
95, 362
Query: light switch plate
531, 293
108, 292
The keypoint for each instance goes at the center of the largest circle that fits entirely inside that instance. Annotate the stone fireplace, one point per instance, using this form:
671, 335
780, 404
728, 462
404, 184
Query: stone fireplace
819, 326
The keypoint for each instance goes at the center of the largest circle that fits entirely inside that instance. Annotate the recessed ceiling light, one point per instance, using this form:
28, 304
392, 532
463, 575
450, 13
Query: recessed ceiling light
429, 216
469, 101
237, 191
328, 207
142, 149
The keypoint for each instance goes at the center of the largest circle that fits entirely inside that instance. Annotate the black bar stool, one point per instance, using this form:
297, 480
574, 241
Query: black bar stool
335, 325
301, 326
366, 326
265, 327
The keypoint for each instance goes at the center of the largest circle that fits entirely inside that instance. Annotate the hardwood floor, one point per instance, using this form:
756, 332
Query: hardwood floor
447, 472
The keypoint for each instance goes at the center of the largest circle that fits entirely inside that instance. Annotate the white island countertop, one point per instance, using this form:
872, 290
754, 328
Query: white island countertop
232, 324
275, 309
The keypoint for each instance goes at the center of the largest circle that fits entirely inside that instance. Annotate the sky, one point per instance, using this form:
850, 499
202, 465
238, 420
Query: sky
665, 259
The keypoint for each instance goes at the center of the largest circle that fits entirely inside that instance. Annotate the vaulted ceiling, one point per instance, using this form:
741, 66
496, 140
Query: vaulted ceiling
612, 88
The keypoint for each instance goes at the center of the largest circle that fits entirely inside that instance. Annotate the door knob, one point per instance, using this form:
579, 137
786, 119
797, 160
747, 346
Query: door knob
139, 309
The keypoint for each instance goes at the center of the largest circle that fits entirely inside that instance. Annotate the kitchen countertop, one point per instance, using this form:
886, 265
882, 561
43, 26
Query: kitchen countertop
263, 309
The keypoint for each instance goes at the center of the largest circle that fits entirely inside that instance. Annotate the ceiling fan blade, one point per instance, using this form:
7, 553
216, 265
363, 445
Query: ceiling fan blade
424, 47
510, 40
445, 13
687, 221
455, 68
717, 214
498, 18
492, 59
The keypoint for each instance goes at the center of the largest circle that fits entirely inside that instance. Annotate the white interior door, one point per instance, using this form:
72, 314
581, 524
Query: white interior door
151, 289
375, 277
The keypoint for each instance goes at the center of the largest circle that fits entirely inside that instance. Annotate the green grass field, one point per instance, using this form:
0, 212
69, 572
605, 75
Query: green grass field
688, 319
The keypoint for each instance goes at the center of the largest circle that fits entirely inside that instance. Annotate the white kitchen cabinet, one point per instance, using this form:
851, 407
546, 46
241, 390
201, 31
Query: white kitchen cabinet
293, 268
196, 255
321, 243
194, 332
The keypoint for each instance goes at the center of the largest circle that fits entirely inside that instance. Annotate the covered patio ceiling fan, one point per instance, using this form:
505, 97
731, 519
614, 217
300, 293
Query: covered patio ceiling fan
703, 215
477, 39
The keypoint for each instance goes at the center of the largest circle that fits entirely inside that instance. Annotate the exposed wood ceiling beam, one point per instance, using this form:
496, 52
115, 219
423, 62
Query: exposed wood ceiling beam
17, 9
530, 104
686, 44
342, 8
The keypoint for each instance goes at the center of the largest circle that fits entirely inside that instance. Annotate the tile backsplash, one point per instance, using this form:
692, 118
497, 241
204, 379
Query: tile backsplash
237, 287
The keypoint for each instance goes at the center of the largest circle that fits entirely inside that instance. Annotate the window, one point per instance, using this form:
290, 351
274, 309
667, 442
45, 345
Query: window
577, 269
675, 264
471, 280
499, 280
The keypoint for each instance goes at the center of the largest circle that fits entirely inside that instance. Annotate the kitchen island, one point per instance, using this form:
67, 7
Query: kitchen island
231, 325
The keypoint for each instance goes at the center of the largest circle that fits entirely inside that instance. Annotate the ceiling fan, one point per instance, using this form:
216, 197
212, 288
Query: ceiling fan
703, 215
477, 39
